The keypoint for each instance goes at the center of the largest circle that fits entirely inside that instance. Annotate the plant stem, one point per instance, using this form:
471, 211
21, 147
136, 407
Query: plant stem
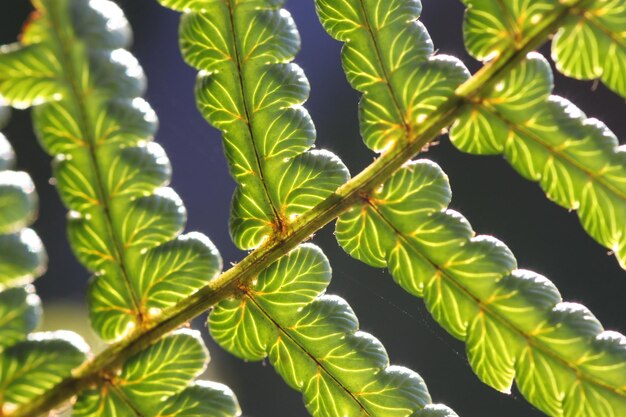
301, 230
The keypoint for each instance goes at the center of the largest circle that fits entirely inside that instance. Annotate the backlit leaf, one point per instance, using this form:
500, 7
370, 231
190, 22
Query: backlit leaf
388, 55
577, 161
202, 399
157, 382
20, 309
18, 201
124, 224
249, 90
589, 44
513, 321
313, 341
22, 255
31, 367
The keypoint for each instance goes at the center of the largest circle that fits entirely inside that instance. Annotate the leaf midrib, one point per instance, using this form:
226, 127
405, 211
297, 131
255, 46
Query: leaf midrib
511, 23
559, 155
122, 395
600, 26
387, 80
279, 220
580, 373
77, 95
248, 293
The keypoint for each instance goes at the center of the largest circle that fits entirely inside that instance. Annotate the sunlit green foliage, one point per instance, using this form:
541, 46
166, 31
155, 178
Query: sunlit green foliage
22, 255
251, 92
313, 341
248, 91
30, 363
71, 65
577, 161
124, 224
156, 383
513, 321
388, 55
591, 43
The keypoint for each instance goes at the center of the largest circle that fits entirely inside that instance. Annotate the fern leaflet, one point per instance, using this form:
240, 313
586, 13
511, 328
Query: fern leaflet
313, 341
30, 363
124, 225
250, 91
156, 383
576, 160
470, 284
513, 321
590, 43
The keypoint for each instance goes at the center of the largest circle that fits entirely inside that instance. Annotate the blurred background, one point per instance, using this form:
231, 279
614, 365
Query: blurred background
497, 201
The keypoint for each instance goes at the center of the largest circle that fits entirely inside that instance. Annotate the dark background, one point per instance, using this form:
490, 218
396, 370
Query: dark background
544, 237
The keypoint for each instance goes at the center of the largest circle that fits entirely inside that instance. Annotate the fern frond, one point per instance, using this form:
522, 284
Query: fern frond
388, 55
513, 321
30, 363
301, 229
124, 223
157, 380
248, 89
590, 44
470, 285
22, 255
577, 161
32, 367
313, 341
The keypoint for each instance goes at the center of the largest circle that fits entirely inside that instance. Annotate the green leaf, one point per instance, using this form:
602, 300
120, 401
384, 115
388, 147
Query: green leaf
22, 255
30, 368
164, 275
577, 161
202, 399
313, 341
7, 156
389, 56
435, 410
512, 321
23, 258
249, 90
124, 225
29, 75
20, 310
30, 365
590, 43
164, 368
18, 201
94, 403
491, 28
157, 382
